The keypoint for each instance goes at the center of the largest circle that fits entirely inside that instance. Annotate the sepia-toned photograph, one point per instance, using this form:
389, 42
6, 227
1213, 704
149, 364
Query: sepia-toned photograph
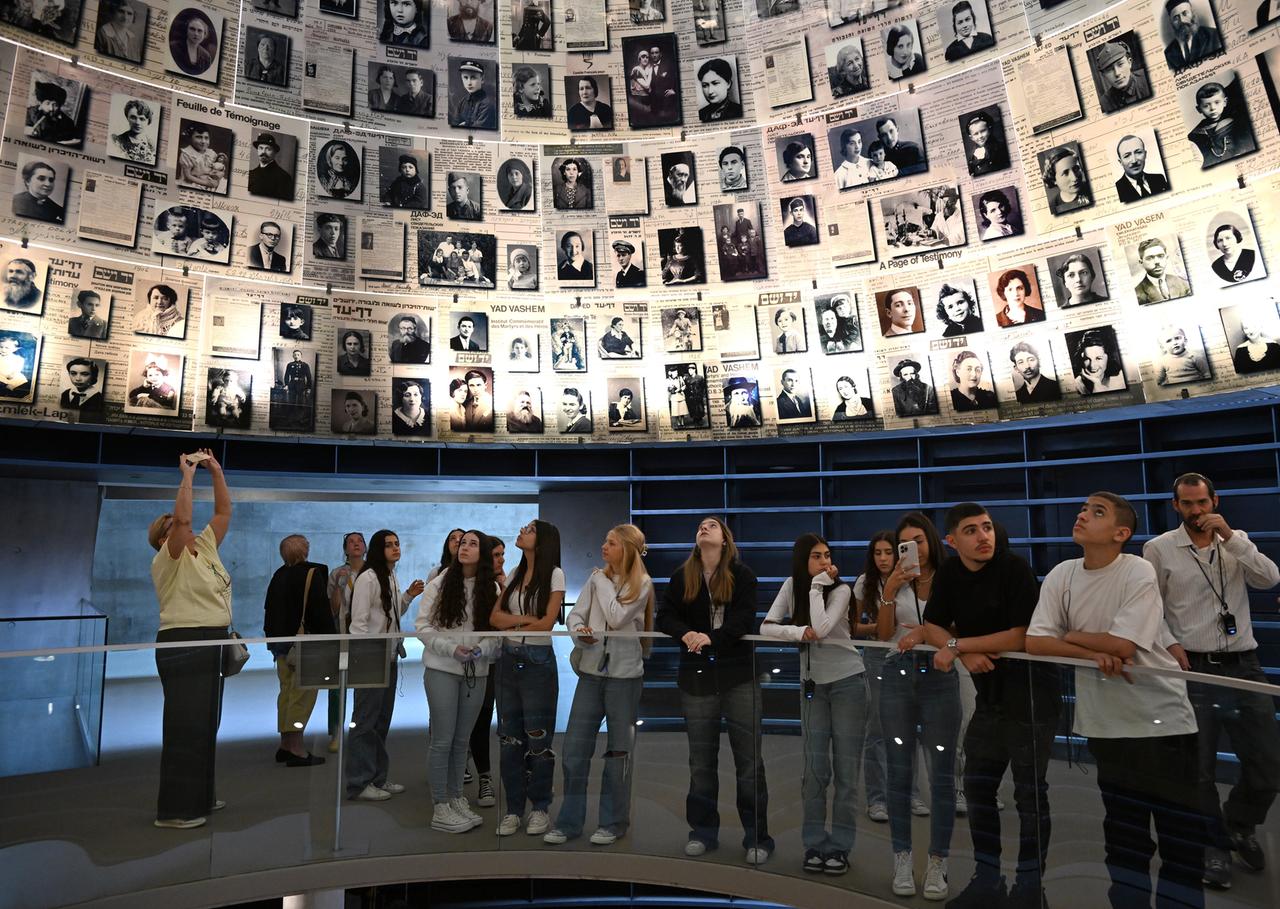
568, 344
464, 189
929, 218
587, 99
681, 329
742, 402
998, 213
522, 347
40, 188
409, 91
228, 398
957, 310
796, 157
847, 68
24, 286
133, 129
970, 380
788, 331
19, 364
912, 389
339, 171
794, 400
409, 338
293, 391
682, 255
1065, 181
1190, 32
121, 32
1017, 296
903, 50
456, 259
1095, 360
195, 42
687, 403
192, 233
985, 149
355, 351
1119, 72
965, 28
653, 81
266, 57
1157, 267
900, 311
56, 109
1078, 278
854, 394
516, 190
627, 412
90, 314
411, 415
621, 340
679, 178
1253, 336
83, 387
272, 249
522, 266
572, 184
1035, 380
470, 332
524, 413
353, 412
154, 380
1180, 353
838, 322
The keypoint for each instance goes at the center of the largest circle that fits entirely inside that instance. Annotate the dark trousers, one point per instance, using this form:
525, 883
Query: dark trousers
479, 746
1249, 720
739, 707
1145, 780
367, 760
994, 742
192, 681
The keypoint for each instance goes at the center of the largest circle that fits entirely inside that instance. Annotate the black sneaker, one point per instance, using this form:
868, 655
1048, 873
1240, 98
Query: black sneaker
1246, 846
813, 861
836, 863
1217, 869
982, 892
1026, 894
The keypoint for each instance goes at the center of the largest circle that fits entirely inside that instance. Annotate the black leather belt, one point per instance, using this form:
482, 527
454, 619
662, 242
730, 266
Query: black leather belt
1219, 657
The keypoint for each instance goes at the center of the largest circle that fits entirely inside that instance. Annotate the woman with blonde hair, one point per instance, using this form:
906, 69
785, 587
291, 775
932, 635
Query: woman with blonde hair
616, 598
708, 606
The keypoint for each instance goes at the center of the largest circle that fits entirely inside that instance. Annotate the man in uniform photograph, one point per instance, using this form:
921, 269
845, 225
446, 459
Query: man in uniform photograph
1122, 83
628, 274
475, 109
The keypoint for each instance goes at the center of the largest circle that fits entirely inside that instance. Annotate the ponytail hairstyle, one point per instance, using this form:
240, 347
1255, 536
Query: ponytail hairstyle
872, 579
451, 608
801, 580
375, 560
721, 586
446, 557
546, 559
634, 576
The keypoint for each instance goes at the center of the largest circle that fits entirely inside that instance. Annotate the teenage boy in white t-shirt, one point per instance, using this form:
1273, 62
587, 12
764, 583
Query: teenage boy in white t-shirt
1106, 608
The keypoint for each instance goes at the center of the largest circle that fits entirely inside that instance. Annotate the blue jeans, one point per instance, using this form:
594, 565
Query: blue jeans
739, 707
527, 689
367, 760
873, 759
911, 700
833, 722
597, 698
454, 702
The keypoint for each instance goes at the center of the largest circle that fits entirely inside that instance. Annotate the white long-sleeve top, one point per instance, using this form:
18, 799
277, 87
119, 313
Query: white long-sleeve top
439, 644
835, 658
367, 616
599, 609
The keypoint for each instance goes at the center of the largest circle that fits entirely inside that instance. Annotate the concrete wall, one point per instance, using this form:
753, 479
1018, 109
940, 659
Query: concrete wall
46, 559
583, 517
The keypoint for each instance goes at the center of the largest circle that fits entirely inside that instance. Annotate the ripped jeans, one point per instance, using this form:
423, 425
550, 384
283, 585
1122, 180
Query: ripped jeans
527, 689
616, 701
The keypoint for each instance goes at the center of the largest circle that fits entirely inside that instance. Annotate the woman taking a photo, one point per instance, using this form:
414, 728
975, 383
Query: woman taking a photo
913, 694
376, 607
813, 606
610, 670
528, 683
457, 604
194, 591
708, 606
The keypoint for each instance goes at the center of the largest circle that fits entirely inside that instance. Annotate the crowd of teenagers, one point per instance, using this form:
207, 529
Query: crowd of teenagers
958, 710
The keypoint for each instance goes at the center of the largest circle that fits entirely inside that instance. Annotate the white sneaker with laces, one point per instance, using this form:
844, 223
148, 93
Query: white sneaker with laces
904, 882
962, 805
555, 836
372, 793
447, 820
538, 823
509, 824
694, 848
935, 879
393, 788
757, 855
919, 808
464, 810
604, 837
878, 813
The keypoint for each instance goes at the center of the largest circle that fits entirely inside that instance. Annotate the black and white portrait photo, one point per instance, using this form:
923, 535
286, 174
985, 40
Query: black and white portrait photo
228, 398
331, 237
1189, 32
19, 362
457, 259
734, 176
293, 392
573, 410
719, 98
912, 390
1078, 277
409, 91
740, 246
681, 329
1217, 118
838, 324
965, 28
56, 109
286, 8
629, 258
587, 98
40, 188
470, 332
133, 129
522, 266
524, 412
575, 258
1156, 264
1253, 335
985, 149
643, 11
626, 404
195, 41
521, 348
876, 149
122, 29
203, 156
531, 90
709, 26
1065, 182
531, 25
653, 80
970, 380
409, 338
83, 386
266, 56
338, 170
57, 20
403, 178
516, 190
1180, 353
24, 286
572, 184
797, 159
679, 178
1031, 369
847, 68
1095, 360
348, 9
853, 391
154, 380
1137, 166
1232, 248
903, 50
411, 397
272, 249
90, 314
473, 90
192, 233
682, 254
788, 330
296, 321
404, 23
353, 411
742, 402
463, 189
998, 213
900, 311
355, 351
794, 398
470, 21
687, 402
799, 220
621, 339
767, 9
273, 160
929, 218
568, 342
957, 310
1119, 72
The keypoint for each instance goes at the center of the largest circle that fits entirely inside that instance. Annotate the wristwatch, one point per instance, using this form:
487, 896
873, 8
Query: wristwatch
953, 645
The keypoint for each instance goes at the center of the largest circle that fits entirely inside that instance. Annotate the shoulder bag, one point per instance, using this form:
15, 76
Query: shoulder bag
294, 657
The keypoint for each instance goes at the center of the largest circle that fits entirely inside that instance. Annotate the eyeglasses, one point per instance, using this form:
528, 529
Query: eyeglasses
531, 527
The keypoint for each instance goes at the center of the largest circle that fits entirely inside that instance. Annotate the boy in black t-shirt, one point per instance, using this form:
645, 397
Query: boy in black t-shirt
982, 602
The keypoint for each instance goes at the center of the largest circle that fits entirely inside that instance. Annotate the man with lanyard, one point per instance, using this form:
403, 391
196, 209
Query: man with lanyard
1203, 567
981, 604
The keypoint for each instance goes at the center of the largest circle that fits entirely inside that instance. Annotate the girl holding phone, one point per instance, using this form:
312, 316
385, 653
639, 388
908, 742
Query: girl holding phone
913, 694
813, 606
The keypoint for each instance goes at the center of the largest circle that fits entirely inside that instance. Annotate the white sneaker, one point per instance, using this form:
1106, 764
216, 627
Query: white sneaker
694, 848
602, 837
935, 879
557, 837
509, 824
962, 805
393, 788
919, 808
464, 810
447, 820
904, 882
484, 796
878, 813
757, 855
999, 803
372, 793
538, 823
